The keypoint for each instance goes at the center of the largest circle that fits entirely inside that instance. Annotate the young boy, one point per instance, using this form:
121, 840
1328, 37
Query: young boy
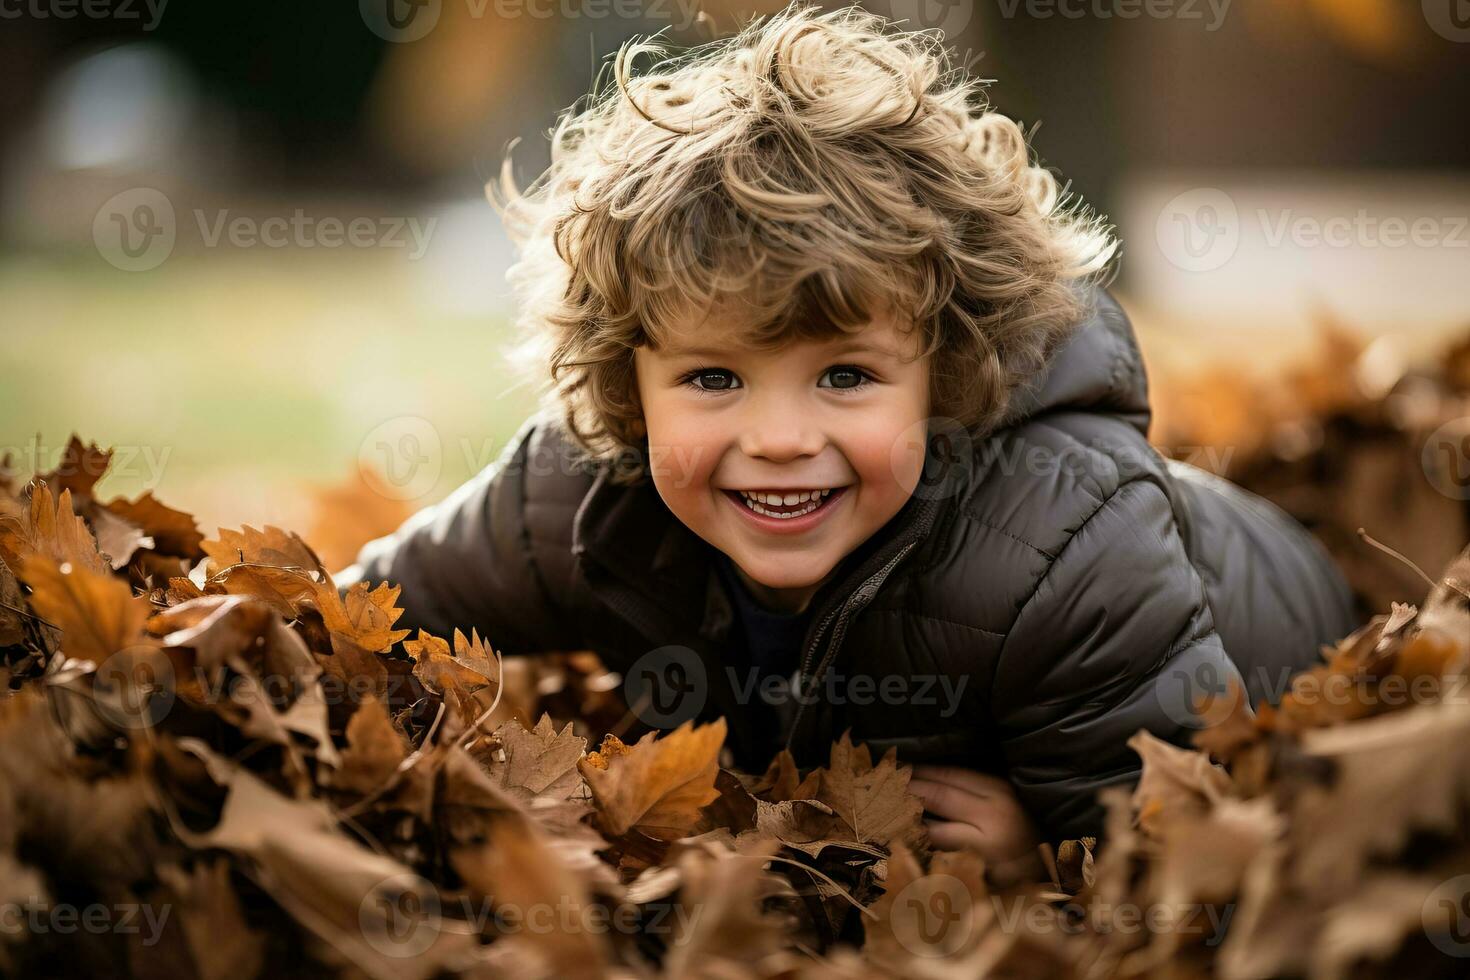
835, 397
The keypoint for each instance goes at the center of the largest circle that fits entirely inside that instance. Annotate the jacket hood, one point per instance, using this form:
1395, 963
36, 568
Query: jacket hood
1097, 369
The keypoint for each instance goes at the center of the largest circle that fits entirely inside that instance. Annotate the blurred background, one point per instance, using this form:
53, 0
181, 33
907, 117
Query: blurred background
248, 245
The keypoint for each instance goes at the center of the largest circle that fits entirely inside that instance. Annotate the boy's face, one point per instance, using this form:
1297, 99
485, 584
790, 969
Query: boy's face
845, 415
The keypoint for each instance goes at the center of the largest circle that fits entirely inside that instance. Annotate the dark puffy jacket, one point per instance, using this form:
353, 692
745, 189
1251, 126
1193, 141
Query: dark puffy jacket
1060, 587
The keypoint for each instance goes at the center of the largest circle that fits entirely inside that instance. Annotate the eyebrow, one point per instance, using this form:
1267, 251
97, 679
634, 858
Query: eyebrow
849, 347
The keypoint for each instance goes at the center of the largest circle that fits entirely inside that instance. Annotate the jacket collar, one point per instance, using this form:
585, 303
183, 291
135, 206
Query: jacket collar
631, 533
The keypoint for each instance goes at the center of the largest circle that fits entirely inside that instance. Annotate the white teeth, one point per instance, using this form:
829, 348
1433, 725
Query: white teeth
788, 499
812, 498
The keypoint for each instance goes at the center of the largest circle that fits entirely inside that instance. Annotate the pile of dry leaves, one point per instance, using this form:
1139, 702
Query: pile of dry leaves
214, 764
1358, 435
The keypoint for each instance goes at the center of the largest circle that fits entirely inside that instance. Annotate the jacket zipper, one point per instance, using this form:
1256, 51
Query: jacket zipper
853, 604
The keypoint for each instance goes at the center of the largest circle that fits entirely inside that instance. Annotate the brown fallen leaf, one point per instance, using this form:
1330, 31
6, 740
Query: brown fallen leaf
658, 785
720, 927
540, 760
117, 538
462, 678
352, 513
873, 801
98, 614
547, 909
346, 894
923, 917
173, 531
12, 608
1175, 781
52, 529
367, 617
271, 546
79, 468
374, 750
222, 944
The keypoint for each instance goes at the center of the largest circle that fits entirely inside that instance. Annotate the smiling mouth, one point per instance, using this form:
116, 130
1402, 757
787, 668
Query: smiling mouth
785, 506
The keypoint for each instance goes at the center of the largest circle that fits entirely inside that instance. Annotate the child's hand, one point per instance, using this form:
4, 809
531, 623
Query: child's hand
980, 812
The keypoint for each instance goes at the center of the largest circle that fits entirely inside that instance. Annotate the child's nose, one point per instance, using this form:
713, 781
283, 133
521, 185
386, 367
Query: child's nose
780, 432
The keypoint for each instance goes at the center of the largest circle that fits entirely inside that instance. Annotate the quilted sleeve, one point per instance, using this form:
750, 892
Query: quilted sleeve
467, 562
1117, 635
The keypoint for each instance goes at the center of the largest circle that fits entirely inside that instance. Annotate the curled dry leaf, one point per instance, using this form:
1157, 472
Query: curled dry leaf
466, 679
658, 785
873, 801
50, 528
97, 614
271, 546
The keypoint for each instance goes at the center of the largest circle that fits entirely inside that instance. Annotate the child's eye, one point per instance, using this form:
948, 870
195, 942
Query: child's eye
710, 379
846, 377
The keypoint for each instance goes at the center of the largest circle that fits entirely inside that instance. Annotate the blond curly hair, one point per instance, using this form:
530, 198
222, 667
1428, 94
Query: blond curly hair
813, 166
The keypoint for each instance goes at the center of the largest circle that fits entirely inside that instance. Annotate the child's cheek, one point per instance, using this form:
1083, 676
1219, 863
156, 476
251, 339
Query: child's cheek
683, 451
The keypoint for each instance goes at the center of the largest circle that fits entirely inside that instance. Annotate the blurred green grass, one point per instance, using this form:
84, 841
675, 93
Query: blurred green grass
237, 381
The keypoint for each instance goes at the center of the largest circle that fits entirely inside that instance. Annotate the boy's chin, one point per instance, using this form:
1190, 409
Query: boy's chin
777, 573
